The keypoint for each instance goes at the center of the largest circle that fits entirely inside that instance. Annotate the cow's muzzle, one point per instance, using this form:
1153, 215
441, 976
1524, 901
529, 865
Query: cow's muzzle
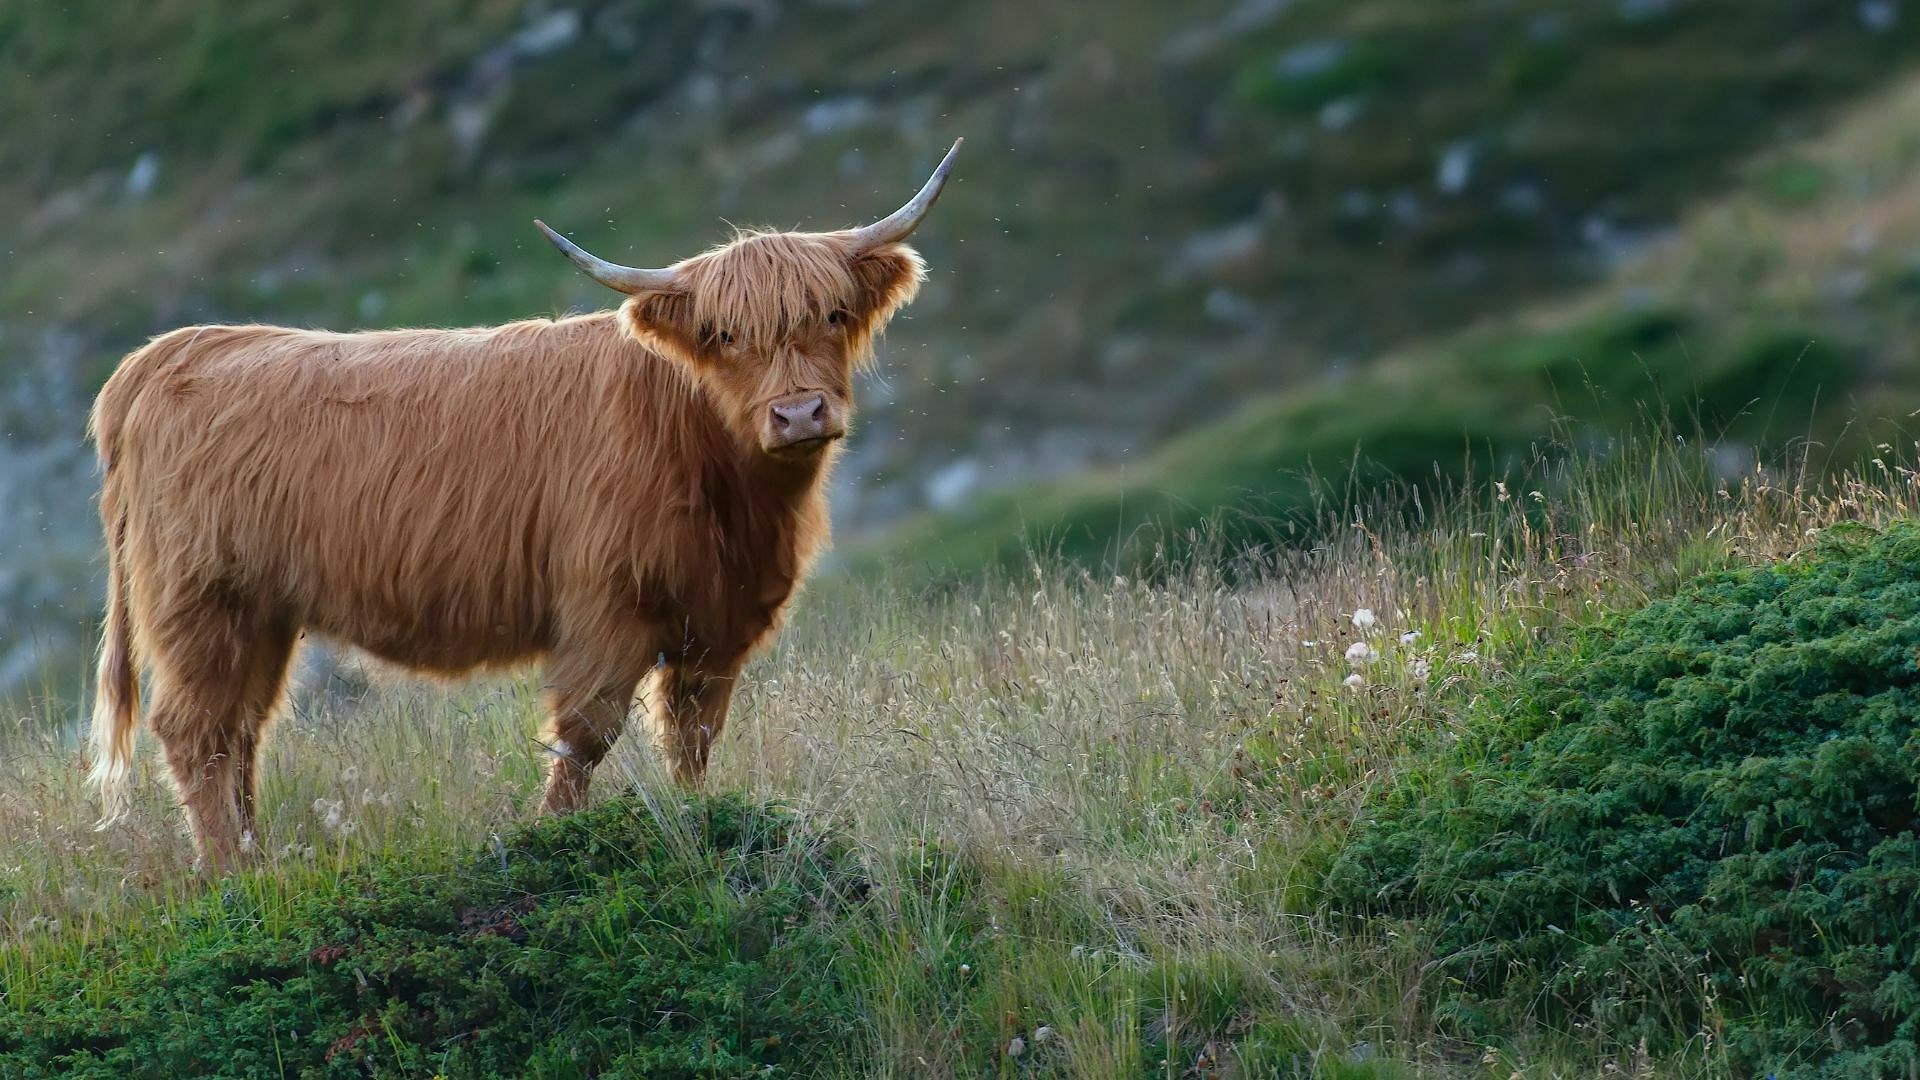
801, 424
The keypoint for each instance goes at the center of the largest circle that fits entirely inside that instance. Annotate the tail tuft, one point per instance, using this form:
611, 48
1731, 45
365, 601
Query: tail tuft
116, 695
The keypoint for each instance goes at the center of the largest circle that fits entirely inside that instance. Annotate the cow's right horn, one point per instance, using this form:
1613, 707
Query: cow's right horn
898, 225
626, 279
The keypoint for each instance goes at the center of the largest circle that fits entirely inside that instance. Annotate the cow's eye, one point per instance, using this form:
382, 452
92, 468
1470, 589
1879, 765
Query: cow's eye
837, 318
723, 337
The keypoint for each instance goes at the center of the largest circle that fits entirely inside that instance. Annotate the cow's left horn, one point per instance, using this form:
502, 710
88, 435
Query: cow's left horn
900, 224
626, 279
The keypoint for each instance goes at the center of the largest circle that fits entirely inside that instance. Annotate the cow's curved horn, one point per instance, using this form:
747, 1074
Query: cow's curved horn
898, 225
626, 279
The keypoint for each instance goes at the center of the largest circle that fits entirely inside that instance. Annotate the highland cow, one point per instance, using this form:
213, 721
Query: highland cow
632, 496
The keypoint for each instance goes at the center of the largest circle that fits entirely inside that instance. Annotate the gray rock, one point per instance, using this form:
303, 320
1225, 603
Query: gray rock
1879, 16
548, 33
1227, 306
948, 486
1198, 40
144, 174
1212, 250
1455, 171
468, 121
1311, 58
838, 114
1340, 113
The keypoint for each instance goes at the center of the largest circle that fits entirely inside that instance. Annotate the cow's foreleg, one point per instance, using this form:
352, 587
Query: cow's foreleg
588, 711
691, 711
266, 680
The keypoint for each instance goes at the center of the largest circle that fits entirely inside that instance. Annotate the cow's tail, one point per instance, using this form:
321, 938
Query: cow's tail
116, 694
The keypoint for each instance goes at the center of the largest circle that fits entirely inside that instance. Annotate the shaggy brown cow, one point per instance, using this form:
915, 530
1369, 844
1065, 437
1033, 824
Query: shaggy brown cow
632, 495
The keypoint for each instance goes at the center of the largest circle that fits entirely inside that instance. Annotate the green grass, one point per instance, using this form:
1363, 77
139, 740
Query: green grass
1044, 822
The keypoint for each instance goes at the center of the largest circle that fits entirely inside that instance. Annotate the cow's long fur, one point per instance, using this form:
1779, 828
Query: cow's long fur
587, 490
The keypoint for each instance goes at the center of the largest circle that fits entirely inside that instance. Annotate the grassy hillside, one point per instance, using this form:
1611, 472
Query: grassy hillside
1051, 824
1364, 146
1209, 273
1782, 311
1161, 210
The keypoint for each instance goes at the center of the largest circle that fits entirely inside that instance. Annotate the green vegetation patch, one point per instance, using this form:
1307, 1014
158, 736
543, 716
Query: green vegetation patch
1485, 403
1702, 821
625, 940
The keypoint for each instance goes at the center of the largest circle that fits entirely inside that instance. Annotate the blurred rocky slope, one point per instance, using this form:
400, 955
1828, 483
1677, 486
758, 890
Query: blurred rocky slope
1162, 209
1780, 320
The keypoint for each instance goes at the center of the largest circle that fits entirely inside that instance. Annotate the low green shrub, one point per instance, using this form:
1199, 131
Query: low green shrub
1701, 822
624, 940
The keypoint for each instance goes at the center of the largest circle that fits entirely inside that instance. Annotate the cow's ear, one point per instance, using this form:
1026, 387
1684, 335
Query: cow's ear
663, 321
887, 279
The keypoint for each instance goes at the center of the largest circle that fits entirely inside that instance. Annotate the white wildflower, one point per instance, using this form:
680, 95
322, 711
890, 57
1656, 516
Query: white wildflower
1016, 1046
1409, 637
1420, 669
1363, 620
332, 812
1354, 681
1361, 653
1468, 657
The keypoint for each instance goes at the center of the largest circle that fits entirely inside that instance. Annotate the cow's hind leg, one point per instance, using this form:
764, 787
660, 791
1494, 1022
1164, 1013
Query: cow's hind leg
588, 701
212, 671
197, 722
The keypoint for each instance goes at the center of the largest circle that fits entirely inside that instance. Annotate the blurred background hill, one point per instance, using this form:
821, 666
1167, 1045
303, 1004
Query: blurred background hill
1192, 250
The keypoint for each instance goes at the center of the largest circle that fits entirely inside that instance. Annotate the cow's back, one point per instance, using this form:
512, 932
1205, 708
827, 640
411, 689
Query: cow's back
413, 492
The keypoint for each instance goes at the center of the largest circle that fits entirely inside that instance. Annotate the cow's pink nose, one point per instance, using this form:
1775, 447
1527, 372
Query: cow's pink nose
801, 418
811, 410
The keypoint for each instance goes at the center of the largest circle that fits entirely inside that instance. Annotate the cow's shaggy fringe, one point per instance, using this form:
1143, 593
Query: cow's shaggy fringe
590, 490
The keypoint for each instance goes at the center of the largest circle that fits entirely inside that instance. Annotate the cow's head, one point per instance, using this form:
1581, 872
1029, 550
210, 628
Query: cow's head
774, 324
